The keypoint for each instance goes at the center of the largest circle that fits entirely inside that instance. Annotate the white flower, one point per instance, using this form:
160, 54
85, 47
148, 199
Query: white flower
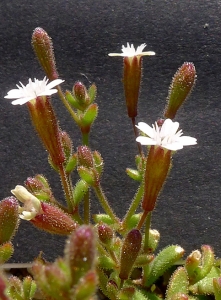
32, 206
166, 136
129, 51
32, 90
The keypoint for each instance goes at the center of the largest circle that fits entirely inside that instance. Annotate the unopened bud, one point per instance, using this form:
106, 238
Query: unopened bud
105, 233
43, 48
8, 218
81, 251
129, 252
181, 86
85, 157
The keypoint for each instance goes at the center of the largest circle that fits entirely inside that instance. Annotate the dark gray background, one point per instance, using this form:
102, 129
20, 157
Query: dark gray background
84, 32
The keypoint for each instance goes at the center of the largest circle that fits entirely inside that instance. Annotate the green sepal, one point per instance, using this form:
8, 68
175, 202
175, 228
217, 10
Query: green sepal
89, 115
154, 238
87, 175
133, 221
134, 174
178, 283
6, 251
98, 218
73, 101
29, 287
106, 262
205, 285
92, 92
126, 293
71, 164
80, 190
163, 261
86, 287
143, 259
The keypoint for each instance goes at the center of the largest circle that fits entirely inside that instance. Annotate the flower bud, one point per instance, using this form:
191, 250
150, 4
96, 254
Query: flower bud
181, 86
8, 218
81, 252
129, 252
43, 48
105, 234
85, 157
39, 187
80, 94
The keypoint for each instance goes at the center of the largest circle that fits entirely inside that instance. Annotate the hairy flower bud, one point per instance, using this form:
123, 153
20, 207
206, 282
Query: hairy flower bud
81, 251
43, 48
129, 252
181, 86
8, 218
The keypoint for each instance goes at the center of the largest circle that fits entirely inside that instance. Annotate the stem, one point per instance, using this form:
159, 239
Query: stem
86, 208
147, 232
85, 139
103, 200
66, 104
136, 135
133, 206
143, 218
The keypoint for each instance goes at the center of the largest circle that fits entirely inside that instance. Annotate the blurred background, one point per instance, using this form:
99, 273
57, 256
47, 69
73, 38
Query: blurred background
83, 33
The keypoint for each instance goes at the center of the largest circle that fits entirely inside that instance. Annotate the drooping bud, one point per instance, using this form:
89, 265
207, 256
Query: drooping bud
129, 252
180, 88
157, 168
43, 48
81, 252
9, 219
46, 125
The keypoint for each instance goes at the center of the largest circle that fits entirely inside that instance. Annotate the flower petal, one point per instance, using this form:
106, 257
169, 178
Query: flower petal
143, 140
145, 128
187, 140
